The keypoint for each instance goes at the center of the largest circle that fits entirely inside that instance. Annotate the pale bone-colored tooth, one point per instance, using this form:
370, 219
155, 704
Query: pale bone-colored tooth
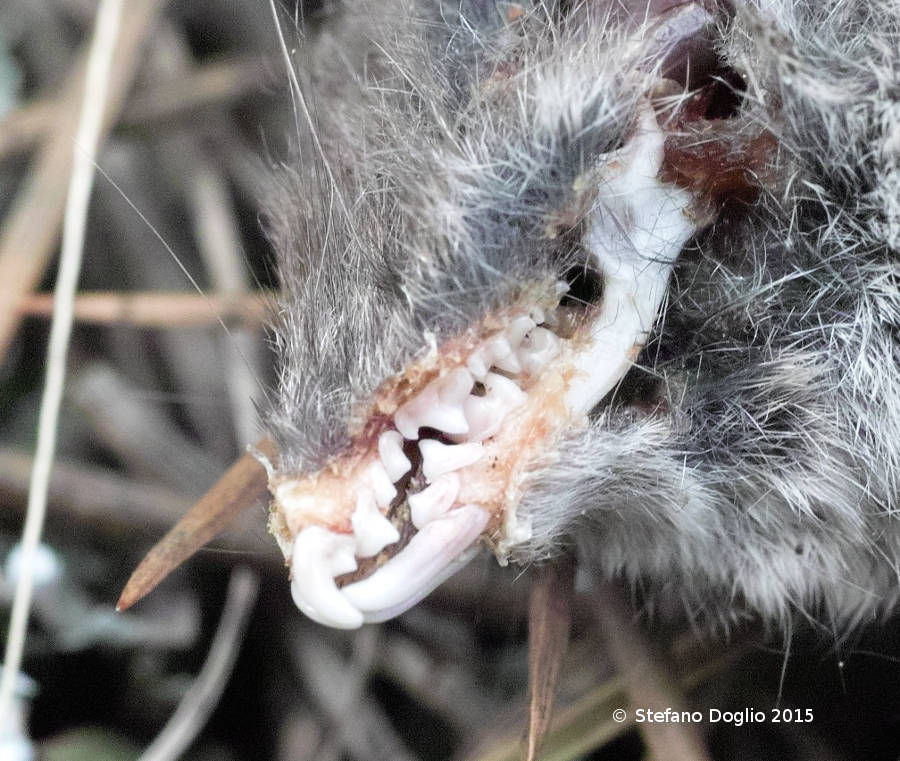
485, 354
433, 555
455, 387
438, 458
477, 364
427, 409
510, 364
390, 449
433, 501
485, 415
317, 557
505, 390
518, 329
505, 351
538, 348
372, 530
376, 476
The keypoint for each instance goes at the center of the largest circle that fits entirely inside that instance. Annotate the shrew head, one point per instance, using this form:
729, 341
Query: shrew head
485, 255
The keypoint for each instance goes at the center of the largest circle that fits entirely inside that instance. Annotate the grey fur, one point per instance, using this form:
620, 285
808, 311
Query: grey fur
767, 479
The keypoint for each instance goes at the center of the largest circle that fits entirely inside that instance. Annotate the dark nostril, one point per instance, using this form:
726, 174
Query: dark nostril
585, 286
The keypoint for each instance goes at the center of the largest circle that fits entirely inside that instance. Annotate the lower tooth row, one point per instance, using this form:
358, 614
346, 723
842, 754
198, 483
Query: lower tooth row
318, 555
434, 500
390, 450
372, 530
432, 555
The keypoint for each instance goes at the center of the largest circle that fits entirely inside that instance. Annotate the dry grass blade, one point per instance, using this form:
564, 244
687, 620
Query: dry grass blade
208, 85
549, 623
156, 310
648, 681
243, 484
31, 230
587, 723
76, 195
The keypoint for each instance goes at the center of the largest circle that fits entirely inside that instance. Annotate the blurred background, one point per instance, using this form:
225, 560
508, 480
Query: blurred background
160, 399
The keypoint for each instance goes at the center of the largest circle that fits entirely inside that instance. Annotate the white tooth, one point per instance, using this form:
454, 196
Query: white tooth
537, 314
496, 347
478, 363
427, 409
372, 530
409, 417
433, 555
438, 458
433, 501
390, 449
317, 557
537, 349
448, 419
378, 479
455, 387
509, 364
485, 415
499, 353
517, 330
504, 390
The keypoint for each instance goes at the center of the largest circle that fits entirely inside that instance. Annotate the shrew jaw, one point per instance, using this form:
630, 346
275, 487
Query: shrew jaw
441, 457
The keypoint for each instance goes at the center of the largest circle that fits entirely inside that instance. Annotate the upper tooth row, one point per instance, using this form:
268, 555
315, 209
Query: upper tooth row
443, 403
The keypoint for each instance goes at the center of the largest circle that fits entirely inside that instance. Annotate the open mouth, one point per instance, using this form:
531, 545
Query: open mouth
440, 458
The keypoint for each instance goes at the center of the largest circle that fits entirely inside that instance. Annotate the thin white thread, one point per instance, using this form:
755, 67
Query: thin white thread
87, 138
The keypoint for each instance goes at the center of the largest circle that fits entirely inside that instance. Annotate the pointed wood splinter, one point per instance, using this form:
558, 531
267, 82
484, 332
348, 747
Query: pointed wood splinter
240, 489
549, 622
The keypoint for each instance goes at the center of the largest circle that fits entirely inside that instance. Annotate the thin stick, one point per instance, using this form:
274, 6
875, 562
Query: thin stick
549, 623
243, 484
156, 309
31, 228
82, 179
212, 85
647, 679
198, 702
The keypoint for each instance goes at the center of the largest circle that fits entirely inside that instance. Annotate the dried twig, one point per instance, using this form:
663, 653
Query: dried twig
30, 232
219, 243
549, 621
587, 722
648, 682
157, 310
209, 85
340, 689
100, 501
141, 435
241, 487
87, 140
